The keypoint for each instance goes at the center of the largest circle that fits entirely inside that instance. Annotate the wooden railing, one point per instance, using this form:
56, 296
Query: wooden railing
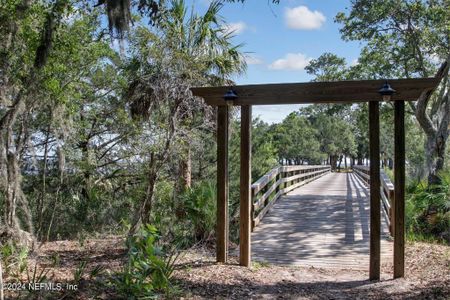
386, 191
279, 181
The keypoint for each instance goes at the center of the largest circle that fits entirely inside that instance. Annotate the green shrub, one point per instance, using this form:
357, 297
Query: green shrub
149, 268
200, 207
389, 173
14, 259
428, 209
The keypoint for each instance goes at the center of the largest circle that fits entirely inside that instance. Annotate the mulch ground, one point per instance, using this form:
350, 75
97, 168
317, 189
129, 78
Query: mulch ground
197, 276
427, 277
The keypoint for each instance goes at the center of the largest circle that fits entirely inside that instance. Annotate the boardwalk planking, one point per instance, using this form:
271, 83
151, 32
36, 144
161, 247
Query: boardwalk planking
324, 223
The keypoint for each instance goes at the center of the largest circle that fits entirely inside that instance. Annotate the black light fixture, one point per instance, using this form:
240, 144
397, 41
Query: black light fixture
386, 91
230, 96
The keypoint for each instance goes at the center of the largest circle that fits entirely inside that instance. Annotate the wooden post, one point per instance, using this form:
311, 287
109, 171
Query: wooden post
222, 185
375, 221
399, 190
245, 187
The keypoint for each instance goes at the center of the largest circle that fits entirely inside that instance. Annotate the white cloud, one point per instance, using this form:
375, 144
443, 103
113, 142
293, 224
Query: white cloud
302, 18
291, 61
354, 62
274, 113
253, 60
235, 28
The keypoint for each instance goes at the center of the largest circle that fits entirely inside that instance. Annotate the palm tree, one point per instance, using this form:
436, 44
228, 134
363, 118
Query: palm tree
185, 50
205, 39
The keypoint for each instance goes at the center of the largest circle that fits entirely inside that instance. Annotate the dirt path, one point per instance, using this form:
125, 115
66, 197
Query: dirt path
198, 277
427, 277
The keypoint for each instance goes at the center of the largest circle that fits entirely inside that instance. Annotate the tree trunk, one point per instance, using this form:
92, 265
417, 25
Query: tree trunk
333, 160
436, 129
143, 215
186, 170
11, 143
61, 165
40, 206
435, 154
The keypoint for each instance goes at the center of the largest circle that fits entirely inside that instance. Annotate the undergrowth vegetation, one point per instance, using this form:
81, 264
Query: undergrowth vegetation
149, 267
428, 210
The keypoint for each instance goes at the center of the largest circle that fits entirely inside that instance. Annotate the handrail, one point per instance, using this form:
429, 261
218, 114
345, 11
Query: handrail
387, 191
277, 182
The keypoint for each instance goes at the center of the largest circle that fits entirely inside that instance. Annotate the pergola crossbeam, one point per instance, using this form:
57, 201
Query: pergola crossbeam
317, 92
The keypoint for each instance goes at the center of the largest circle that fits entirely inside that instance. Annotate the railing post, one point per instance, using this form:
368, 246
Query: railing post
278, 177
252, 212
375, 222
391, 211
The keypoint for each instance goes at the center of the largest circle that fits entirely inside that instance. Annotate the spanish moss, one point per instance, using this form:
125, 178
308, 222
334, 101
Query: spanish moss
119, 17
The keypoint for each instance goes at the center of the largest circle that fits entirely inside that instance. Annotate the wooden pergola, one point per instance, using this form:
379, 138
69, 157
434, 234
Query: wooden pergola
339, 92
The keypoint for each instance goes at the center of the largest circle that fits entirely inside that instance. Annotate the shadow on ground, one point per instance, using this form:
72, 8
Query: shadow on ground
357, 289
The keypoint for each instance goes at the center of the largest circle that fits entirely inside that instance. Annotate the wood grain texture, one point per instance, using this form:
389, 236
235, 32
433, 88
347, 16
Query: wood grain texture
374, 154
245, 187
317, 92
399, 189
324, 223
222, 184
292, 182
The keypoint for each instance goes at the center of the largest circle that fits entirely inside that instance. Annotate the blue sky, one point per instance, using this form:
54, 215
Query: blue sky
280, 39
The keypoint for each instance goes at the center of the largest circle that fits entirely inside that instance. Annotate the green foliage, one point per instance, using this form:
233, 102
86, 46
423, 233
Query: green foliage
264, 151
389, 173
428, 209
297, 140
37, 277
14, 259
200, 206
149, 267
327, 67
79, 272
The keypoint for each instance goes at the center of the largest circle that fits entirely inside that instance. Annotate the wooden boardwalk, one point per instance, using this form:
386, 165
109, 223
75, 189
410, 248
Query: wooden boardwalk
324, 223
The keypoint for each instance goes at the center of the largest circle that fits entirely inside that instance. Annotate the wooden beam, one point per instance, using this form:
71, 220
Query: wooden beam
399, 190
222, 184
375, 223
245, 187
317, 92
